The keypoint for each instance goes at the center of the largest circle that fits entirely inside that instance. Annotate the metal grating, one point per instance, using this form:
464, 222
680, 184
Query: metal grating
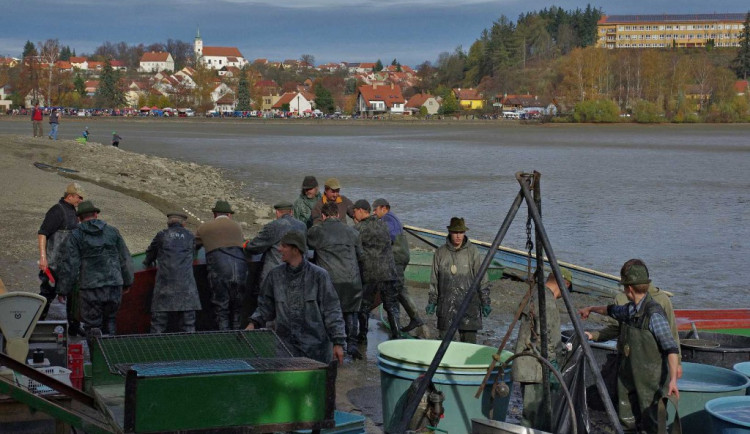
235, 344
200, 367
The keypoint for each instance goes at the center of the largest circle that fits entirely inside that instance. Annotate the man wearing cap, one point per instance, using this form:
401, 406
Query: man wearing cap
454, 266
226, 265
306, 201
527, 370
649, 356
97, 259
268, 240
338, 251
378, 269
300, 298
175, 291
332, 193
400, 245
58, 224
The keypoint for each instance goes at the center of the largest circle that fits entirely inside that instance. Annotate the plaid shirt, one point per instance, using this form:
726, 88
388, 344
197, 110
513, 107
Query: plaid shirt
657, 325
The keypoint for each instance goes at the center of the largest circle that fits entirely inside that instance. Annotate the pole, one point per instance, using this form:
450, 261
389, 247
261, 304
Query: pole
424, 381
603, 394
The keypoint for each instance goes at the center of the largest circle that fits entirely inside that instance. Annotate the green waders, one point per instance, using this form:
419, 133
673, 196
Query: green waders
643, 372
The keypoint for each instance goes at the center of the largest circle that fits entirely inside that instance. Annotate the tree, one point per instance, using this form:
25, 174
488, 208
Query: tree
50, 53
204, 85
79, 85
741, 63
29, 50
243, 92
450, 103
309, 59
109, 94
65, 53
323, 99
378, 66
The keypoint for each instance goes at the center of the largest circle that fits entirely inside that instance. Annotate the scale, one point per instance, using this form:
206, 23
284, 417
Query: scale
19, 312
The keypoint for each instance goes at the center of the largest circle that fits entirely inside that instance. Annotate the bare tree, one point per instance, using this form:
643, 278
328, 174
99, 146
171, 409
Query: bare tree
49, 53
308, 59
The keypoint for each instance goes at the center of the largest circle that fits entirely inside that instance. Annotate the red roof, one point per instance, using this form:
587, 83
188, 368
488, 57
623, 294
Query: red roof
77, 59
155, 56
117, 63
221, 51
418, 100
96, 65
388, 94
226, 99
62, 64
286, 98
467, 94
740, 86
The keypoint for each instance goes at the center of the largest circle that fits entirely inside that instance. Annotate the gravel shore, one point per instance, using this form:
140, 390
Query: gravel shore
134, 191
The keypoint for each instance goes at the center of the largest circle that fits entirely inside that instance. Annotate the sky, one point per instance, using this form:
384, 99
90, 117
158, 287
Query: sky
411, 31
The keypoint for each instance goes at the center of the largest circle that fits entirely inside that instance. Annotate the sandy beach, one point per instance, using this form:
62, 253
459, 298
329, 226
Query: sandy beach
134, 191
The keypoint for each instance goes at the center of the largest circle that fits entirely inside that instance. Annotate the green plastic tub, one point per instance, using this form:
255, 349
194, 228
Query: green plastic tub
458, 376
700, 384
730, 415
744, 369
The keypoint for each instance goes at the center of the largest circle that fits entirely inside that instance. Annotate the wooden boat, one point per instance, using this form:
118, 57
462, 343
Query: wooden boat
728, 321
514, 263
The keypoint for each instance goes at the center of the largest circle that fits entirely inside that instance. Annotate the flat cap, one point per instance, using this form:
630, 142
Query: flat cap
333, 183
283, 205
177, 214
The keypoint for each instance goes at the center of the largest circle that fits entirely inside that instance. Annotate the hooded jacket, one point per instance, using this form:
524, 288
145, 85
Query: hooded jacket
453, 270
175, 289
95, 256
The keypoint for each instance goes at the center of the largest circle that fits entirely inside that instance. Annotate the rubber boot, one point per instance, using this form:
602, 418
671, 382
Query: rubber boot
410, 309
364, 319
393, 322
352, 347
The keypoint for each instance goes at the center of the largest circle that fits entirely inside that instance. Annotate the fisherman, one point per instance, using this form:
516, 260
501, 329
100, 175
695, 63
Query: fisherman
378, 269
454, 267
400, 246
268, 240
58, 224
98, 260
338, 251
649, 356
175, 291
300, 298
528, 370
226, 265
332, 193
612, 331
307, 199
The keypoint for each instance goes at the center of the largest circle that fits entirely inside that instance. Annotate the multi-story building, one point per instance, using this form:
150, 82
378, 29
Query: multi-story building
663, 31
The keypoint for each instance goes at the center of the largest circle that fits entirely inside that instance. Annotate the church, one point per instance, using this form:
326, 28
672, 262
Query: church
217, 57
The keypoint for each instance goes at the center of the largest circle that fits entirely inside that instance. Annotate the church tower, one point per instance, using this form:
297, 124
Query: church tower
198, 45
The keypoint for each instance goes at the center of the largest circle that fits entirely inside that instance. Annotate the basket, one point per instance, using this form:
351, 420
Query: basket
57, 372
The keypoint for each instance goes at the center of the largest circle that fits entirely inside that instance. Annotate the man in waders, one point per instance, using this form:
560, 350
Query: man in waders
58, 223
528, 370
648, 353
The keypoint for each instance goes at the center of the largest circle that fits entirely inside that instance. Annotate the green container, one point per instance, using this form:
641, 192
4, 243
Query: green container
700, 384
458, 376
730, 415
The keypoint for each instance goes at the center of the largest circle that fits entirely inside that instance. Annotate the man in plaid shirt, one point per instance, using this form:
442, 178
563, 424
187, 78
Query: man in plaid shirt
648, 352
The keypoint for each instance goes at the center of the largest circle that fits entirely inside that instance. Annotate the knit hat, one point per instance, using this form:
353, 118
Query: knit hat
86, 207
296, 239
457, 225
309, 182
222, 207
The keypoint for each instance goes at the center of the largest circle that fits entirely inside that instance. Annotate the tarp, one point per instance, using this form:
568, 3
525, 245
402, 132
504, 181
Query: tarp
145, 108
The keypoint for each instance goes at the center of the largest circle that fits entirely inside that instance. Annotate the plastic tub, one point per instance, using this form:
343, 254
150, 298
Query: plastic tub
744, 369
730, 415
700, 384
458, 376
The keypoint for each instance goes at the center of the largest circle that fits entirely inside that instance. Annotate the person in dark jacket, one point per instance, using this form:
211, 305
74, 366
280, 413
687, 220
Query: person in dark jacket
96, 257
332, 193
378, 269
58, 224
268, 240
116, 139
338, 250
300, 298
226, 265
175, 291
401, 257
54, 122
454, 267
306, 201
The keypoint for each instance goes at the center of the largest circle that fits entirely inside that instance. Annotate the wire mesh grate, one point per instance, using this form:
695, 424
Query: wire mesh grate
199, 367
235, 344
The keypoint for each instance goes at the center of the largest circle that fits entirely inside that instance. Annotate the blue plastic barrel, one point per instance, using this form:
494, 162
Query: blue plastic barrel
744, 369
458, 376
730, 415
700, 384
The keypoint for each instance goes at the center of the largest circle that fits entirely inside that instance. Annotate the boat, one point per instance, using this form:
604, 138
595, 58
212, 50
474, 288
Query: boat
514, 263
728, 321
717, 349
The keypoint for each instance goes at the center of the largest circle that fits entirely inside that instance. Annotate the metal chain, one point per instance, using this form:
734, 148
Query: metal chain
530, 279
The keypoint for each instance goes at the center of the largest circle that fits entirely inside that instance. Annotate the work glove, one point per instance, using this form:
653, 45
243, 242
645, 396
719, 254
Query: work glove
486, 309
430, 309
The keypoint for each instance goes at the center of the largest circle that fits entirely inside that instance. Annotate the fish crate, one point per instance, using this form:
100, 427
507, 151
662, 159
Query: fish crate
57, 372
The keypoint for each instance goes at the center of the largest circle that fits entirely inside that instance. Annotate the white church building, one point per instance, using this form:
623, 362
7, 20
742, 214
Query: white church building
217, 57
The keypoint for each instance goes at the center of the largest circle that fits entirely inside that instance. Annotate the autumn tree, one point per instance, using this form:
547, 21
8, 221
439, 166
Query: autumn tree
204, 86
308, 59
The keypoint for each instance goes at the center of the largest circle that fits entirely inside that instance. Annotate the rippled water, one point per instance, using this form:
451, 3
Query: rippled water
676, 196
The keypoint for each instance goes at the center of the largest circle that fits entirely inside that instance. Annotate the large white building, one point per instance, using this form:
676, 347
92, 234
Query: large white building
156, 61
217, 57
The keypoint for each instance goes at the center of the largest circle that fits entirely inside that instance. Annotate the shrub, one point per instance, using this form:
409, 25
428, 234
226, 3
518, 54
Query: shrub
600, 110
647, 112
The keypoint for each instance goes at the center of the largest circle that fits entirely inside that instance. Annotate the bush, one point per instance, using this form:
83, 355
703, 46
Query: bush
647, 112
600, 110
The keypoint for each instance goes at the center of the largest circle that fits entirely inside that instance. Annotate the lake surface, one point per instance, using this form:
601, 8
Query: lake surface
676, 196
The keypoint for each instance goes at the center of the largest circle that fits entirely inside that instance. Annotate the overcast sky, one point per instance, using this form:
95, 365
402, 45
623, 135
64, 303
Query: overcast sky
411, 31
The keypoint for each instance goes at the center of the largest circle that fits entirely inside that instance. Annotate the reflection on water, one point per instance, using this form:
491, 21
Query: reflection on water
675, 196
